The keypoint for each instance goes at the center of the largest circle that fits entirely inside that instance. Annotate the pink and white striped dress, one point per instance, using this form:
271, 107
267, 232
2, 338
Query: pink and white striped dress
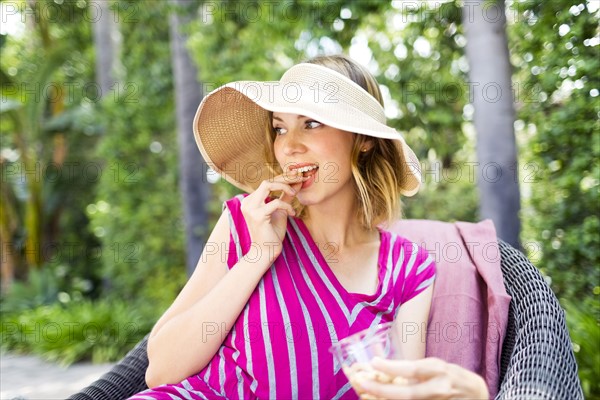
278, 347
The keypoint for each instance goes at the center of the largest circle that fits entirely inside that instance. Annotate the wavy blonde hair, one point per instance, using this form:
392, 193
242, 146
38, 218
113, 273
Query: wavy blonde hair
378, 173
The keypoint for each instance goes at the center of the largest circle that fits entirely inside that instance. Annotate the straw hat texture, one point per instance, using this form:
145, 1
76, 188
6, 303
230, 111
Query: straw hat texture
231, 121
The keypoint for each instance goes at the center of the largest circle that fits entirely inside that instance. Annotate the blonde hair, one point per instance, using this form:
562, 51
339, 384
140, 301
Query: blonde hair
378, 173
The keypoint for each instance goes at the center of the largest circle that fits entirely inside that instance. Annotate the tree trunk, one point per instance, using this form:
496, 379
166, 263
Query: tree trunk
106, 43
194, 187
490, 79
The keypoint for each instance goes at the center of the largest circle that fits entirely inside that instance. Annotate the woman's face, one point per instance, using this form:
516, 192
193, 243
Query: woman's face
321, 152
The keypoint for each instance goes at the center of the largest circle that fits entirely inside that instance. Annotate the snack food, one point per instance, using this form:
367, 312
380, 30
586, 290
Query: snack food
360, 372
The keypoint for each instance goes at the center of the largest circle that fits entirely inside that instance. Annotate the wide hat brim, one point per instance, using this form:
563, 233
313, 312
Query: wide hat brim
231, 121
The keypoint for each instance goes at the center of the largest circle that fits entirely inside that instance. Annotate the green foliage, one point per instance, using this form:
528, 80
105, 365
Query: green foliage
459, 201
41, 288
420, 60
557, 73
48, 131
137, 212
421, 63
556, 88
127, 186
582, 319
100, 331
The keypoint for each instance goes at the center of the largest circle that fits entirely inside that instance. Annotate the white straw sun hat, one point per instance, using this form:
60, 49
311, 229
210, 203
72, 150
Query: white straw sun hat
231, 121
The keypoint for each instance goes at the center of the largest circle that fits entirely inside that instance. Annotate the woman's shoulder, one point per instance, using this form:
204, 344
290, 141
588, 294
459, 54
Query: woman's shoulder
401, 245
234, 200
233, 205
412, 263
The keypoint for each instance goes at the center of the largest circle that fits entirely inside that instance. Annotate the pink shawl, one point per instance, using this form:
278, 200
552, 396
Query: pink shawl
469, 313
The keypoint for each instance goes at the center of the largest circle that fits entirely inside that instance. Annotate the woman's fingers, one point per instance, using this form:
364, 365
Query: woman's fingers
437, 388
394, 367
381, 390
278, 204
264, 190
266, 216
295, 180
415, 369
426, 378
281, 183
286, 196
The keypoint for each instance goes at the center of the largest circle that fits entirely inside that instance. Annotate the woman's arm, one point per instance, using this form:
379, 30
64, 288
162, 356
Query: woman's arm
411, 325
191, 331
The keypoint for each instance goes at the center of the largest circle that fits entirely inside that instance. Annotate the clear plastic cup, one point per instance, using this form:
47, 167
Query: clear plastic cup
356, 351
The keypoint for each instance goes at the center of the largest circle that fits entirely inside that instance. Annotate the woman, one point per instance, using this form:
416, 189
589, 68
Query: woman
304, 258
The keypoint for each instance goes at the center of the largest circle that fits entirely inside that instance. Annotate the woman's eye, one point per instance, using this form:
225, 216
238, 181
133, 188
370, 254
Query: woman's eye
279, 131
312, 124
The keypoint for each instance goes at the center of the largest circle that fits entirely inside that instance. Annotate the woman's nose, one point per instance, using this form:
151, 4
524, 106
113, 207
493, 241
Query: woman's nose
292, 143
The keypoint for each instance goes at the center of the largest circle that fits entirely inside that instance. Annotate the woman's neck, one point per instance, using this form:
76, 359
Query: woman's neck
338, 224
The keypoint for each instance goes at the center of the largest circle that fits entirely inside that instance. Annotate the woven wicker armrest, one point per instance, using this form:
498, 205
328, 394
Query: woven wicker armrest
537, 358
125, 379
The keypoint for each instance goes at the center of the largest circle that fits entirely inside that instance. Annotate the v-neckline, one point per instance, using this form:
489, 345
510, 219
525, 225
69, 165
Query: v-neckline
324, 265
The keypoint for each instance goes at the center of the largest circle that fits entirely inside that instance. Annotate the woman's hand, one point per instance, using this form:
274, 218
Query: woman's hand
267, 222
427, 378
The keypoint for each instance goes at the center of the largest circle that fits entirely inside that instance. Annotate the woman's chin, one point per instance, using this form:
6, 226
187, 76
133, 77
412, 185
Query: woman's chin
305, 199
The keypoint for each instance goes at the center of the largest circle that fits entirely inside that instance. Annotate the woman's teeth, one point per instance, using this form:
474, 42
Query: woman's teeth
307, 168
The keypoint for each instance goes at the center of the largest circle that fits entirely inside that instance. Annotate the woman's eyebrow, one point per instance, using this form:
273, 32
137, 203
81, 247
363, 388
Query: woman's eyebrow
298, 117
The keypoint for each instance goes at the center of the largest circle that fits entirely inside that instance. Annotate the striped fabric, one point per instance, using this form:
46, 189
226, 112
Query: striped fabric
278, 347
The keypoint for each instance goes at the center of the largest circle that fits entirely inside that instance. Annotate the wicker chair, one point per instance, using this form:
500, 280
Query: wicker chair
537, 360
